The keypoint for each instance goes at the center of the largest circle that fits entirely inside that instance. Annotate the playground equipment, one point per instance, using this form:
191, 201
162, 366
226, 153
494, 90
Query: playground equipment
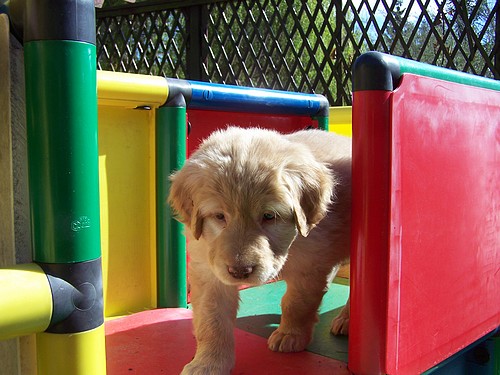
61, 114
59, 44
403, 187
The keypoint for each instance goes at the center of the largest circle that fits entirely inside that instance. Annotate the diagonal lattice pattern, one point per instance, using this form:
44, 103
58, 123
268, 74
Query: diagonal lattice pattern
294, 45
271, 44
147, 43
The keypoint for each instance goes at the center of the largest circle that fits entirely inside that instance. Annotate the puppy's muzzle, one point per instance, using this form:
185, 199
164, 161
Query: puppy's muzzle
240, 272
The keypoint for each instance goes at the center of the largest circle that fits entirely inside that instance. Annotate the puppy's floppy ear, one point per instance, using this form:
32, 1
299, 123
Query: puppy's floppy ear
312, 187
183, 186
196, 224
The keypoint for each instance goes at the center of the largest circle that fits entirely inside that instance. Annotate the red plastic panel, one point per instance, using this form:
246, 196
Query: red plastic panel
426, 278
205, 122
445, 282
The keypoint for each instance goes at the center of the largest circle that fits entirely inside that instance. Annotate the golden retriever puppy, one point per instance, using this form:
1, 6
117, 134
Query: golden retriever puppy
258, 205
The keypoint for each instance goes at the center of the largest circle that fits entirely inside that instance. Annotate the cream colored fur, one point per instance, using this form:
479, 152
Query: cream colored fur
257, 206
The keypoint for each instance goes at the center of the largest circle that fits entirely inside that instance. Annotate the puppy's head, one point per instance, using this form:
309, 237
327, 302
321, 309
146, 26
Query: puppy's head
247, 194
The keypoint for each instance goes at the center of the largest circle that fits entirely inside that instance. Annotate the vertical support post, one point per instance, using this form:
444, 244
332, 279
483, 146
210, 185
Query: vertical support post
323, 113
369, 351
369, 238
61, 102
497, 42
322, 122
197, 50
339, 58
171, 242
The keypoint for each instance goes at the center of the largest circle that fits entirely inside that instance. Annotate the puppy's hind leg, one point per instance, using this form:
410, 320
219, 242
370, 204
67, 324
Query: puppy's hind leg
340, 324
299, 312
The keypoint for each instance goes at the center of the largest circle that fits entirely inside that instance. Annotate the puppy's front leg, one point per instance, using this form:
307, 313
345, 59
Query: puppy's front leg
214, 313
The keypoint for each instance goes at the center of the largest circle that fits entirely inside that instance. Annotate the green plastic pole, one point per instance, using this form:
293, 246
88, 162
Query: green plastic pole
61, 103
322, 122
61, 114
171, 243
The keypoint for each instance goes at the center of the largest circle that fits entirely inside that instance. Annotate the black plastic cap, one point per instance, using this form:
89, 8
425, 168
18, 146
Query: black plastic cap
324, 107
179, 93
375, 71
77, 296
60, 20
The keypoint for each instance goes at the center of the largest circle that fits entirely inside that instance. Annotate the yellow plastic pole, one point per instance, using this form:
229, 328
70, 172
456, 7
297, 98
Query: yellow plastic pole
25, 302
75, 347
130, 90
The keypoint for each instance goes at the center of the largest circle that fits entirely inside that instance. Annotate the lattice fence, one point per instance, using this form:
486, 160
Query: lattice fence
306, 46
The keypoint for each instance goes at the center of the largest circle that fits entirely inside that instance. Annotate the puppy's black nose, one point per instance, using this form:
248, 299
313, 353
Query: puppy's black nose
240, 272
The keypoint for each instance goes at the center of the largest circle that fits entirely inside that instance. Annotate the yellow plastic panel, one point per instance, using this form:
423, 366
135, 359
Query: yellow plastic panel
340, 120
81, 353
130, 90
25, 302
127, 188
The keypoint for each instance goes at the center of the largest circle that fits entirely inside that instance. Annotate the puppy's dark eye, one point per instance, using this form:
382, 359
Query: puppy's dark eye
220, 216
269, 216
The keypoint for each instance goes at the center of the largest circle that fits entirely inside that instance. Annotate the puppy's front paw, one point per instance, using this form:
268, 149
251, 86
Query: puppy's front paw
288, 342
196, 367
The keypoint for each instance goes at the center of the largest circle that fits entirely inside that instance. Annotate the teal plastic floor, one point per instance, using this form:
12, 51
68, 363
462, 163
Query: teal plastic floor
260, 313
